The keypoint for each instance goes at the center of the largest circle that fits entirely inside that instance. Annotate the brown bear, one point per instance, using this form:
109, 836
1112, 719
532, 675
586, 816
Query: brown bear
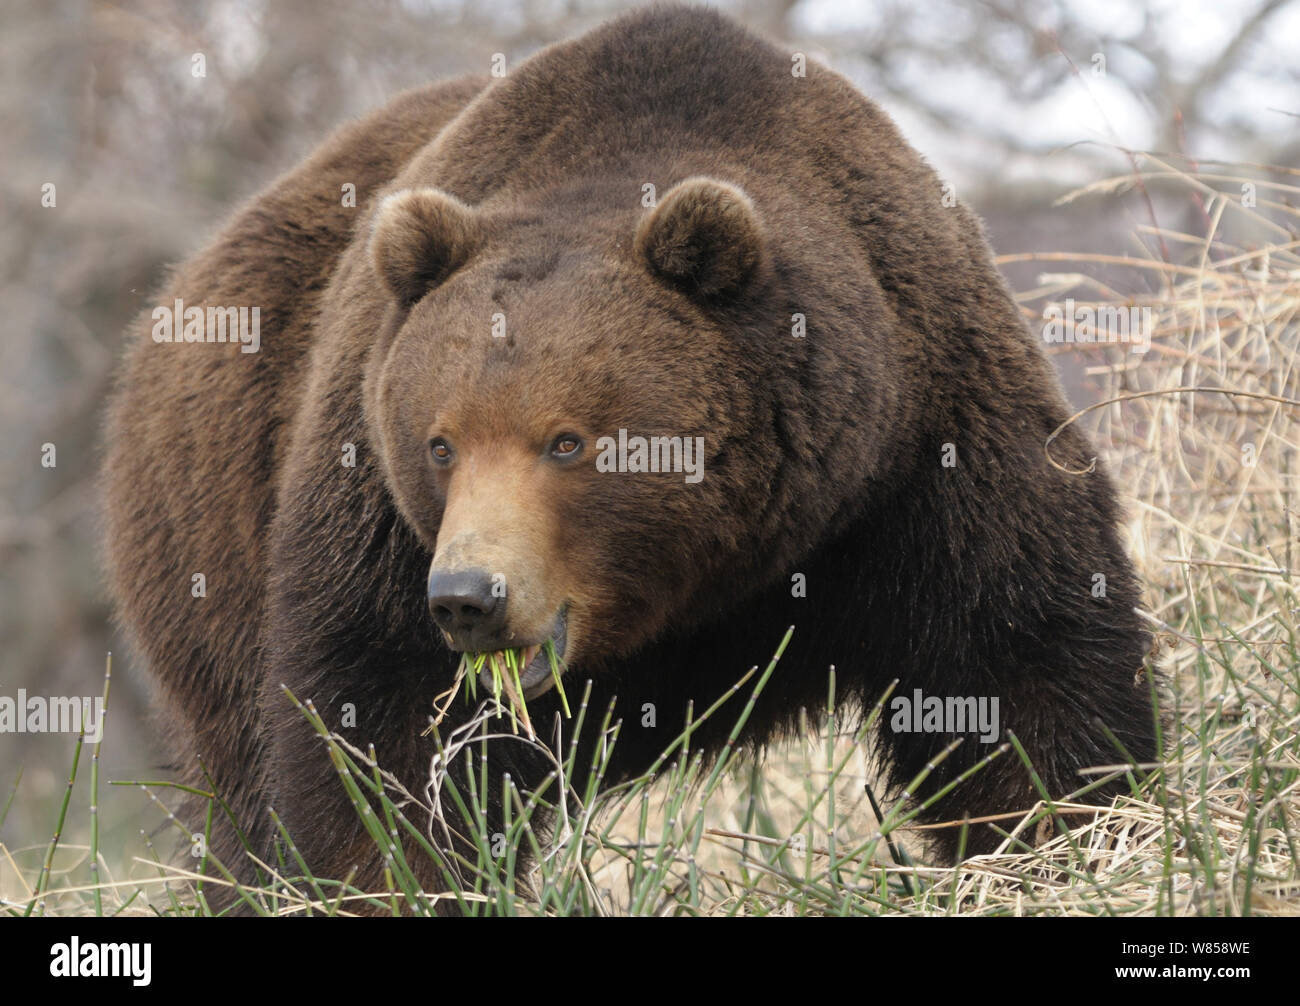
651, 348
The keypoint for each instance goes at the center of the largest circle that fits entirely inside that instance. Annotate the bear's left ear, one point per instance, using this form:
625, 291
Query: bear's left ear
705, 236
420, 237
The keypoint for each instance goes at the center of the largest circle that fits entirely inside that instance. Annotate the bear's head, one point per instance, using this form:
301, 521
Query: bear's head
565, 403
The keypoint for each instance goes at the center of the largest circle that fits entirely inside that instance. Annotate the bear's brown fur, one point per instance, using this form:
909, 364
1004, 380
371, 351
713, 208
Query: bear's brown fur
518, 202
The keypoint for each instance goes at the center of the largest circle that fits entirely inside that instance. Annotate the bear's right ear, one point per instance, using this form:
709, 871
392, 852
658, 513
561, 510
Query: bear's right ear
420, 237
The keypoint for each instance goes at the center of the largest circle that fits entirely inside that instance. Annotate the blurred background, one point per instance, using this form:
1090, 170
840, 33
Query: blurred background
1015, 102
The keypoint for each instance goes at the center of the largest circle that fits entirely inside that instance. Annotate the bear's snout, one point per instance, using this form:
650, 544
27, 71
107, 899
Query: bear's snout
465, 606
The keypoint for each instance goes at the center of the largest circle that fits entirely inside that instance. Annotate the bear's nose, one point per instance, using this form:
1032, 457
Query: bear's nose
466, 607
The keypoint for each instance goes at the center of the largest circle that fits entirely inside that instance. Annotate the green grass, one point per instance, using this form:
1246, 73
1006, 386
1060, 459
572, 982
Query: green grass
730, 838
1211, 833
505, 666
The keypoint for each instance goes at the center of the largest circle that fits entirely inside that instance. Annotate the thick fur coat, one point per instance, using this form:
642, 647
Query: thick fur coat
872, 409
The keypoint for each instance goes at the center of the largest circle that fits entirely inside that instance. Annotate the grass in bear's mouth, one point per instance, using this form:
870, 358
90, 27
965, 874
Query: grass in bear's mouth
505, 666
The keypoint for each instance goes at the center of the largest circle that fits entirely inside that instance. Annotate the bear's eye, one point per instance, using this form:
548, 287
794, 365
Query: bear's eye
566, 445
440, 450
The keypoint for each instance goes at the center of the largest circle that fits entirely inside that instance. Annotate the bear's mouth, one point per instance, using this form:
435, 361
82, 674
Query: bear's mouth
536, 676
